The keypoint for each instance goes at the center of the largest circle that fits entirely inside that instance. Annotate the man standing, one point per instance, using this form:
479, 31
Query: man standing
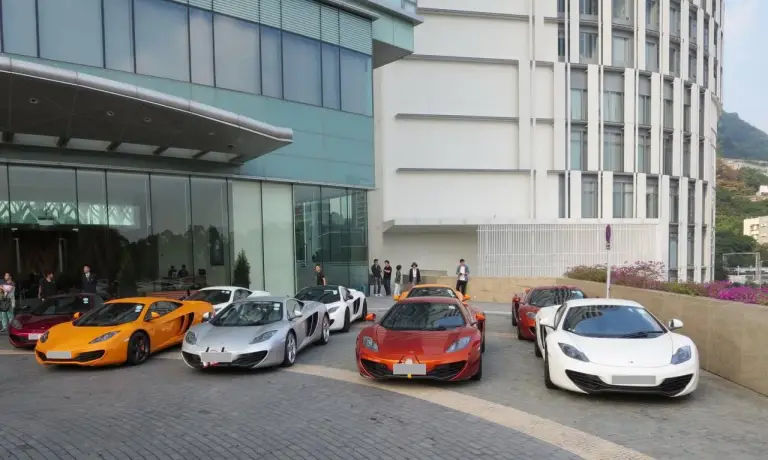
47, 287
387, 278
376, 273
88, 281
462, 272
320, 276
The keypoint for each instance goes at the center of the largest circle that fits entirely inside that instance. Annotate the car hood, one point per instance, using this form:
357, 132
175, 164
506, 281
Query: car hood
651, 352
229, 337
36, 322
416, 342
66, 335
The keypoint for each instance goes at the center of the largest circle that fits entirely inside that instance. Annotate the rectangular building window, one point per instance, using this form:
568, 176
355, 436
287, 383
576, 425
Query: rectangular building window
162, 39
623, 197
706, 72
621, 10
589, 197
652, 14
693, 62
579, 149
672, 248
272, 63
644, 151
690, 244
691, 202
704, 203
331, 83
652, 197
674, 18
644, 101
674, 58
687, 158
356, 82
561, 47
674, 201
588, 7
19, 27
667, 154
622, 51
669, 106
652, 54
561, 202
706, 34
687, 109
302, 69
118, 35
201, 46
701, 160
613, 151
70, 31
693, 22
613, 98
561, 6
237, 62
579, 104
588, 46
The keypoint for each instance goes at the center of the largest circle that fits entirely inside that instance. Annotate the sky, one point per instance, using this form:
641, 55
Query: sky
745, 70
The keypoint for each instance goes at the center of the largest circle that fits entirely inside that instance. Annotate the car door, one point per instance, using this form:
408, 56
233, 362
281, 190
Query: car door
299, 322
165, 328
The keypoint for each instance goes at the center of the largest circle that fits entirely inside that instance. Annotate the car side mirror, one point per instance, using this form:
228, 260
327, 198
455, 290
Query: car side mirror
154, 315
467, 298
675, 324
76, 315
206, 317
297, 313
548, 322
370, 317
480, 316
516, 299
396, 297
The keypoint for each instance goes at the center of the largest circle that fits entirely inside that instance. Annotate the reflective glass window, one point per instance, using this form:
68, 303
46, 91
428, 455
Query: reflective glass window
336, 240
162, 39
302, 69
308, 232
237, 54
271, 62
278, 213
171, 220
96, 245
118, 34
19, 27
245, 217
201, 46
71, 31
356, 82
331, 84
210, 231
36, 205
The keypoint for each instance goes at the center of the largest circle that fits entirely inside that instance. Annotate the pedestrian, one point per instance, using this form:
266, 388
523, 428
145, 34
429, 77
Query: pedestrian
320, 276
398, 279
7, 302
462, 273
47, 287
376, 272
88, 282
182, 273
414, 276
387, 278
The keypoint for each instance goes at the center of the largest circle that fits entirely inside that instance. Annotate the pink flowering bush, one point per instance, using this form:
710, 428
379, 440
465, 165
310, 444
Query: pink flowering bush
651, 275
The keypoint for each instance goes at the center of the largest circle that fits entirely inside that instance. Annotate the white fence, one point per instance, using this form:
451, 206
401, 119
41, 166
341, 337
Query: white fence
551, 249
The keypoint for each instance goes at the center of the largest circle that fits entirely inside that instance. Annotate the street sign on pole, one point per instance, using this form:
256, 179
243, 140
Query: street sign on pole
608, 261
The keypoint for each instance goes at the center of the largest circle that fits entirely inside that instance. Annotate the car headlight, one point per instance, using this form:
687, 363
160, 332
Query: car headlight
104, 337
16, 324
264, 337
370, 344
531, 315
44, 337
458, 345
682, 355
573, 352
190, 338
332, 310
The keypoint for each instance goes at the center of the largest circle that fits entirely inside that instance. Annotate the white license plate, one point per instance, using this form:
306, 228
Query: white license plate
59, 355
633, 380
412, 369
33, 336
216, 357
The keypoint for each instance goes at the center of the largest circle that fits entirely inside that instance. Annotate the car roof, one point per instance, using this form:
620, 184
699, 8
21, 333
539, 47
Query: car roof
431, 299
599, 302
555, 286
327, 286
144, 300
220, 288
432, 286
263, 298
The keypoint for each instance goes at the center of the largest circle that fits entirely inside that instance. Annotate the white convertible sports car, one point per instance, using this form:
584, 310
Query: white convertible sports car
344, 305
614, 346
221, 296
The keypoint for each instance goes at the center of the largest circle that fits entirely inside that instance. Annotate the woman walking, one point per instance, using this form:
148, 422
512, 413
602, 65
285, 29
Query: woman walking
7, 301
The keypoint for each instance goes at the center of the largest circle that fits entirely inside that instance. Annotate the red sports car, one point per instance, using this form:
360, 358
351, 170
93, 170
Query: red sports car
434, 338
524, 310
28, 325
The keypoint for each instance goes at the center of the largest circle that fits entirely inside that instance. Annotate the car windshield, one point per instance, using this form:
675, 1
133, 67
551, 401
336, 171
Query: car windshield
212, 296
423, 316
64, 305
432, 292
553, 296
111, 314
319, 294
249, 313
612, 321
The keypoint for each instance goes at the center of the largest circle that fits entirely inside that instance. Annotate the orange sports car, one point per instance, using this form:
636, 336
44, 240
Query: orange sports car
121, 331
433, 338
440, 290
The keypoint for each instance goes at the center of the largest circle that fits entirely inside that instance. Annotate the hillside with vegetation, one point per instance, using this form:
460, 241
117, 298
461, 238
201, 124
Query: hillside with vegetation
739, 139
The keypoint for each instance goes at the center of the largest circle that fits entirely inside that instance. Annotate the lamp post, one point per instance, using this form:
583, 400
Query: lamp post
608, 261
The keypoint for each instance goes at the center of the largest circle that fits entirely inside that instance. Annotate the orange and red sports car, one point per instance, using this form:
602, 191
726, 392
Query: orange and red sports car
439, 290
120, 331
524, 309
433, 338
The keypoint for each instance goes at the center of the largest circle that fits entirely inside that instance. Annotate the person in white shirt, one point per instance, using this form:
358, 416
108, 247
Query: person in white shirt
462, 273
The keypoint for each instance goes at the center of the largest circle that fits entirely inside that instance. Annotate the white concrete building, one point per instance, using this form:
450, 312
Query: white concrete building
519, 128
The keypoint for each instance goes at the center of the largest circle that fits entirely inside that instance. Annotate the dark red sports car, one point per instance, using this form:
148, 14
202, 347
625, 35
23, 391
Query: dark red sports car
29, 325
524, 309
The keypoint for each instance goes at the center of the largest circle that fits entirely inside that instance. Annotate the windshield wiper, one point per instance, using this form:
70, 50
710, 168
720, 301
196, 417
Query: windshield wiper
639, 334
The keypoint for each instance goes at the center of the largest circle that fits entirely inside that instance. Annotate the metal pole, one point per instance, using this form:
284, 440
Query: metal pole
758, 266
608, 270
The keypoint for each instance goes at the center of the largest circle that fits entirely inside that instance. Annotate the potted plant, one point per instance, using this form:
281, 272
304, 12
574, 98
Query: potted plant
242, 273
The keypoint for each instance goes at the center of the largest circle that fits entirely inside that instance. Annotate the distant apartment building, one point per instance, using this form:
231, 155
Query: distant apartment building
761, 194
737, 164
757, 228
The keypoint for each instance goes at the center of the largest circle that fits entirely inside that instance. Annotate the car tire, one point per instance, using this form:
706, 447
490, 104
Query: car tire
365, 309
138, 349
325, 335
290, 350
536, 349
479, 374
547, 380
519, 333
514, 316
347, 322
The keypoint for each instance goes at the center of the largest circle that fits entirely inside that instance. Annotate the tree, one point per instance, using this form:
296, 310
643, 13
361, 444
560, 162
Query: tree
242, 274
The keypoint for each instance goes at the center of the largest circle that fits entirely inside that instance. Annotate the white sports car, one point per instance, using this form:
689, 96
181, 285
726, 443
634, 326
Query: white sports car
344, 305
221, 296
614, 346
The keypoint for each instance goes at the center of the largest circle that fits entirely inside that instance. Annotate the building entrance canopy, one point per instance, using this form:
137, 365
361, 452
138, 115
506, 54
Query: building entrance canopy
44, 105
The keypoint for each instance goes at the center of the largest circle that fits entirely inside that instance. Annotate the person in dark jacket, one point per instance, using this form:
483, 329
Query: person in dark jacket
376, 273
414, 276
387, 278
88, 281
47, 287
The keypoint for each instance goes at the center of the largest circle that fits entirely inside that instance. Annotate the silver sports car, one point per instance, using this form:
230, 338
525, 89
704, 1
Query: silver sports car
256, 332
